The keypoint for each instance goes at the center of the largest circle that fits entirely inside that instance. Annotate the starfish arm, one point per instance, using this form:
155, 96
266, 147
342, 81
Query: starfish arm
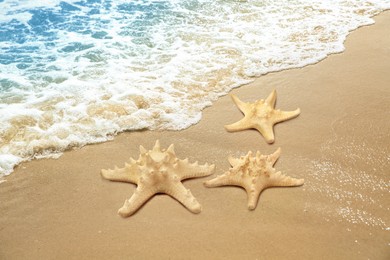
240, 104
280, 180
171, 150
239, 125
184, 196
280, 116
224, 180
127, 174
140, 196
267, 131
187, 170
275, 156
271, 99
253, 197
157, 146
142, 150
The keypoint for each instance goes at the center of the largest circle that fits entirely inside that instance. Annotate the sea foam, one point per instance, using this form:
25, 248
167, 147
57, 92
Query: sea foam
78, 72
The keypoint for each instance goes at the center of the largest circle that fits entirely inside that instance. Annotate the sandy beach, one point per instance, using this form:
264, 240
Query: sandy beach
340, 144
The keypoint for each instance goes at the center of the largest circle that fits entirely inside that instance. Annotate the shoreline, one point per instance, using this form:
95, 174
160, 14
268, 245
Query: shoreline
10, 161
338, 144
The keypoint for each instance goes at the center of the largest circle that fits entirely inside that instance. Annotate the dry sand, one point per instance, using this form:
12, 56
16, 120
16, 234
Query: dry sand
340, 144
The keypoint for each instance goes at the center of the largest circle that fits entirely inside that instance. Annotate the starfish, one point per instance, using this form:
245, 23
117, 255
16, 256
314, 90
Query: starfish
261, 116
158, 171
254, 174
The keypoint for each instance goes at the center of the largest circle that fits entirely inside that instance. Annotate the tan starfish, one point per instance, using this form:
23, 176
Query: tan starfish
254, 174
261, 116
158, 171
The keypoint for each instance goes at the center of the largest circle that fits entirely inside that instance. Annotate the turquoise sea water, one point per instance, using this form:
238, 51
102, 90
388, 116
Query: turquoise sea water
77, 72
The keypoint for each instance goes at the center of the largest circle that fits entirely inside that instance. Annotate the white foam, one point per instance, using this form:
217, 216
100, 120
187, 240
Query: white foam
189, 57
7, 162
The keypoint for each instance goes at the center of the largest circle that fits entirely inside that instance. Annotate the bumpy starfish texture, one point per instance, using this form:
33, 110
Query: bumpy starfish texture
261, 116
158, 171
254, 174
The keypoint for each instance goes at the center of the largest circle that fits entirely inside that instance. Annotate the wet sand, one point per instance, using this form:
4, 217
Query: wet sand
340, 145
